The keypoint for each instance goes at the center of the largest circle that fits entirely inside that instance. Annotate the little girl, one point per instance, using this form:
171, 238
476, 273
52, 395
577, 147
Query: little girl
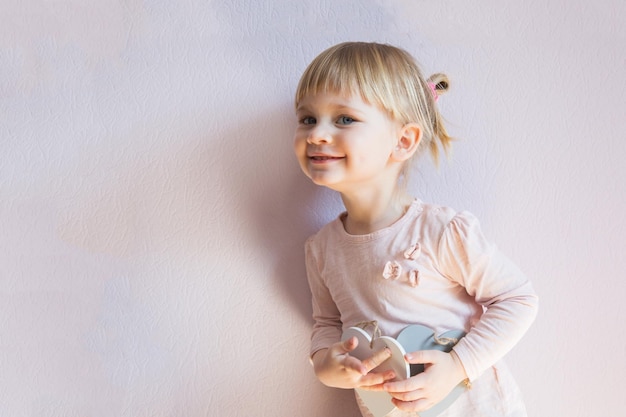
364, 113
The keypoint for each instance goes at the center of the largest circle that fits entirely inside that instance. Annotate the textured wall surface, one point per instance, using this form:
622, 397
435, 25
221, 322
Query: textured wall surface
152, 214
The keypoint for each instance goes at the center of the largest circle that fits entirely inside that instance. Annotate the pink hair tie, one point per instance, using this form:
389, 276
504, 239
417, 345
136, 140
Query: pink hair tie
433, 89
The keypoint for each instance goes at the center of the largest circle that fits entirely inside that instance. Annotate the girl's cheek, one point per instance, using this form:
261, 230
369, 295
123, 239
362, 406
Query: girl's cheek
299, 145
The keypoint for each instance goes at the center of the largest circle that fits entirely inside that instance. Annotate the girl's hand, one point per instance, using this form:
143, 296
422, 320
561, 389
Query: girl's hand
442, 372
335, 367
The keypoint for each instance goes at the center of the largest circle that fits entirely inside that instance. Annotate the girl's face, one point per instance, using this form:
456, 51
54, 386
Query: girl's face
345, 143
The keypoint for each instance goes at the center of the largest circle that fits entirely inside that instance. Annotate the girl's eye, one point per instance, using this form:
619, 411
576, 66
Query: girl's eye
308, 120
345, 120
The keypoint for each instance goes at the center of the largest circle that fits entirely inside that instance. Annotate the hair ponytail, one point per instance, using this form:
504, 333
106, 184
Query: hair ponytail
440, 84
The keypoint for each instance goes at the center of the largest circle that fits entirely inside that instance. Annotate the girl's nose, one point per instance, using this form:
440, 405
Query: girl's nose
319, 136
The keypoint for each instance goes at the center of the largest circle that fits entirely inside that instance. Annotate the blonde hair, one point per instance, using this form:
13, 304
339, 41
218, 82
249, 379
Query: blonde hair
386, 76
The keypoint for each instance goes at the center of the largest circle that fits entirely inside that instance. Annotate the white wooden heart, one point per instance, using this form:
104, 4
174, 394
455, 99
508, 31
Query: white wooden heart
378, 402
412, 338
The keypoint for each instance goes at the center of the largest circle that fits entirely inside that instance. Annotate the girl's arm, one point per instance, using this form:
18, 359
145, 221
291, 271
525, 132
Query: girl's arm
510, 304
505, 293
331, 359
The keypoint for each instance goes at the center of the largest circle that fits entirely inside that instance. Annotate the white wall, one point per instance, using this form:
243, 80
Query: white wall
152, 213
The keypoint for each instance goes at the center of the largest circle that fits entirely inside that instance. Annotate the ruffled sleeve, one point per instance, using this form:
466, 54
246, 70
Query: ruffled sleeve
506, 294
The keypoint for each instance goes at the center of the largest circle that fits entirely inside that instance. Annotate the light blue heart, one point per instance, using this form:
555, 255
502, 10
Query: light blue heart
416, 337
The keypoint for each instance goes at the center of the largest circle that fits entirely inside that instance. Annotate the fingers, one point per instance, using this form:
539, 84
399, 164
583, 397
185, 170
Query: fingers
397, 388
376, 359
341, 352
375, 381
425, 389
424, 356
347, 345
366, 365
409, 394
416, 405
406, 396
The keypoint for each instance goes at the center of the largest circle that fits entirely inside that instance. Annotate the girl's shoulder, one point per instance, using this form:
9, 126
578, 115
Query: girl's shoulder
330, 229
435, 214
424, 219
437, 219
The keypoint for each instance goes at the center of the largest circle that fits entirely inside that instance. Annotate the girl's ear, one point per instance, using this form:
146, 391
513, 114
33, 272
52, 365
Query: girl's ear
409, 138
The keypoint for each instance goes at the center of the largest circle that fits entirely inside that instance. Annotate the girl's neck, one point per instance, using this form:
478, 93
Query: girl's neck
367, 213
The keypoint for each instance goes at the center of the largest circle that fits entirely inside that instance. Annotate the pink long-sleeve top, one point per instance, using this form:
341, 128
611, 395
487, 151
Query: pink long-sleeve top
432, 267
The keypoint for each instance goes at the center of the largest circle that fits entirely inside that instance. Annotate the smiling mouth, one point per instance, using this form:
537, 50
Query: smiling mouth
324, 158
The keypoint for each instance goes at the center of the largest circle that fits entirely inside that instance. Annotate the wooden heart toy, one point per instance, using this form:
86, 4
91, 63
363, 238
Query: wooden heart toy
412, 338
378, 402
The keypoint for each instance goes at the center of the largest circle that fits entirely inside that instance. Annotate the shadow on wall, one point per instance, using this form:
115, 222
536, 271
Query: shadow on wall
281, 204
273, 199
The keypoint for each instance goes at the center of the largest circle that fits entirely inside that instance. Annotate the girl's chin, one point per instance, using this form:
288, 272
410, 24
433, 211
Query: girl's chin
321, 178
331, 185
322, 182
